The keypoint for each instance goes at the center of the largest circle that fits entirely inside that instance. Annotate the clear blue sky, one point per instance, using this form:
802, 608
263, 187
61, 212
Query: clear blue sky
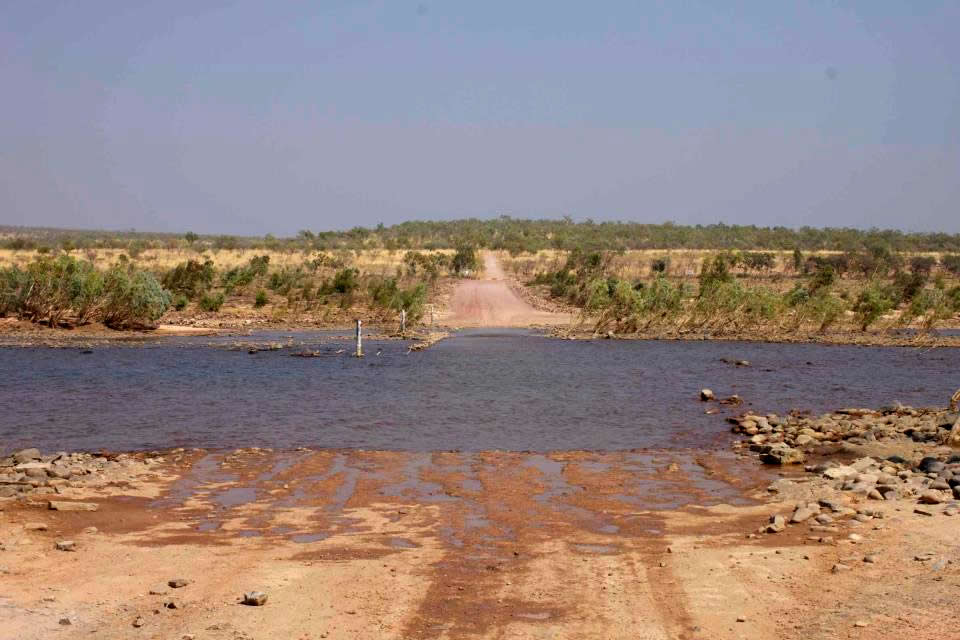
255, 117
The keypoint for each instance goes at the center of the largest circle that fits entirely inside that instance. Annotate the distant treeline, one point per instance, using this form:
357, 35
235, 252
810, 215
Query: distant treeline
514, 235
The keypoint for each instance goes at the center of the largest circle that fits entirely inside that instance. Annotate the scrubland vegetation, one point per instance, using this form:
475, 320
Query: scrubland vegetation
765, 294
663, 279
503, 233
59, 289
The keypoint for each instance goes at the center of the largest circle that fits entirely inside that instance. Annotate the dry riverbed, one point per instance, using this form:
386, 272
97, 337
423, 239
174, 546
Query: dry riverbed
853, 537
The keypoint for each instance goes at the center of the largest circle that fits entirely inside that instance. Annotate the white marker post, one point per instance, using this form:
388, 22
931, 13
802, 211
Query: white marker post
359, 353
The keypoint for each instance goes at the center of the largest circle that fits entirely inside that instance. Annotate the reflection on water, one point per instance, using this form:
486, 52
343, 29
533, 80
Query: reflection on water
477, 391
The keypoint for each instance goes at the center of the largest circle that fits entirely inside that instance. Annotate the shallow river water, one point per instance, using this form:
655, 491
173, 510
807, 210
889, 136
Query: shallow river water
478, 390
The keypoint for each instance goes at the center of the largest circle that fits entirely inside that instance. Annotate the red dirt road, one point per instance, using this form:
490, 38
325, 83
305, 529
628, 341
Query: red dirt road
490, 302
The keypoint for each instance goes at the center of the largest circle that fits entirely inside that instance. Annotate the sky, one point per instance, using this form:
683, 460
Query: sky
270, 117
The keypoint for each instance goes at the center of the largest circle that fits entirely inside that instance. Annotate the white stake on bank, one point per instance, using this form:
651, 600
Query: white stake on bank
359, 353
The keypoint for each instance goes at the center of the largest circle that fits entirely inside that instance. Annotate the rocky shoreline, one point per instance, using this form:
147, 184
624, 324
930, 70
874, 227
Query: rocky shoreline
28, 472
855, 466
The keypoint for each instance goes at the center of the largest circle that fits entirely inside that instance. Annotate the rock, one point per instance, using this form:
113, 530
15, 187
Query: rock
61, 505
138, 622
178, 583
923, 511
804, 512
956, 491
255, 599
26, 455
707, 395
777, 524
173, 604
65, 622
870, 558
840, 473
782, 454
839, 568
931, 497
66, 545
35, 526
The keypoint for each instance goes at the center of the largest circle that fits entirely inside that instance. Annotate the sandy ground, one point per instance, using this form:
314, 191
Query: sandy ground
491, 302
641, 544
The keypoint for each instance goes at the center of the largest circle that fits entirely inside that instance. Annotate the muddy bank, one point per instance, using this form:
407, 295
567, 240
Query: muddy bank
371, 544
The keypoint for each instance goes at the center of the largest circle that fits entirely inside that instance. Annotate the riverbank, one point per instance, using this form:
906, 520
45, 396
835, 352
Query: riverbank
374, 544
902, 338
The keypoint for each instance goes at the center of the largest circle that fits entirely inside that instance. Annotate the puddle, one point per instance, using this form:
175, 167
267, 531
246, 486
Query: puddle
543, 615
234, 497
595, 548
309, 537
403, 543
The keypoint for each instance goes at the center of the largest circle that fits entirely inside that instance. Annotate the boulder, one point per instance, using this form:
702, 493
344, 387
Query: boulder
706, 395
26, 455
782, 454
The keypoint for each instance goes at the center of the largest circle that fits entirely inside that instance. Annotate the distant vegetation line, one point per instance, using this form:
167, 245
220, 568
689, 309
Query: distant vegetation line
514, 235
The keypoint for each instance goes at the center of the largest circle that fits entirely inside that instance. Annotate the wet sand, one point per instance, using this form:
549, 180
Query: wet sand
364, 544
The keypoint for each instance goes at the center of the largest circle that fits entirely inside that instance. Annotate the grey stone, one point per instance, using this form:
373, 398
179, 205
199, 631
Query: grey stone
178, 583
931, 497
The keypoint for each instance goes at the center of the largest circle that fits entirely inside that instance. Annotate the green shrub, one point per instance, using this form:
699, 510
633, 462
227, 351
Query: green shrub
261, 299
285, 280
874, 301
132, 297
714, 272
346, 280
190, 278
180, 302
465, 259
211, 302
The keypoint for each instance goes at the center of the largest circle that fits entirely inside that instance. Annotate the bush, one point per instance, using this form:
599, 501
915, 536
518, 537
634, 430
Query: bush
180, 302
951, 262
345, 281
659, 265
190, 278
465, 260
133, 298
922, 265
211, 302
261, 299
714, 272
874, 301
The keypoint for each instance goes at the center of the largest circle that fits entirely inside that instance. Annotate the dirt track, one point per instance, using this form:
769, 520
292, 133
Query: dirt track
490, 302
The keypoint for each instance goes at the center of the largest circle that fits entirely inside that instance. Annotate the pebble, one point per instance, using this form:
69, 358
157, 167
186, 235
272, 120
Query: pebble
178, 583
839, 567
870, 558
138, 622
65, 622
255, 599
66, 545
